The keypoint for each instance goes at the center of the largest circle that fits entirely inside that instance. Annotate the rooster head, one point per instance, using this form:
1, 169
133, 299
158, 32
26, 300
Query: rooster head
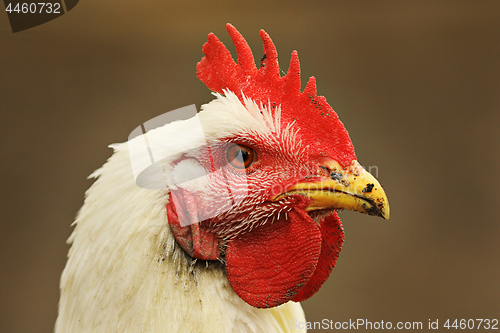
277, 168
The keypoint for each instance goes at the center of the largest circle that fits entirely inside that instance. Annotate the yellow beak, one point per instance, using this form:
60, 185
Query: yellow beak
354, 189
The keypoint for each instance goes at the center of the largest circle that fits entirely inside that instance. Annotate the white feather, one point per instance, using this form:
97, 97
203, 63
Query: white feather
125, 272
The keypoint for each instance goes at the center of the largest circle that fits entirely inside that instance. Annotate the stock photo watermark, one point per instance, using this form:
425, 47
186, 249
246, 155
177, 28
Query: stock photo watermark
28, 14
365, 324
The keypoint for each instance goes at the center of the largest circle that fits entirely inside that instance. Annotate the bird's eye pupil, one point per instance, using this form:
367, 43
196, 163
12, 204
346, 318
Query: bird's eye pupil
244, 155
240, 157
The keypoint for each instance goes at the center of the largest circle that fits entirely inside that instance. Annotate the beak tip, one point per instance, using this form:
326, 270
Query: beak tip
385, 212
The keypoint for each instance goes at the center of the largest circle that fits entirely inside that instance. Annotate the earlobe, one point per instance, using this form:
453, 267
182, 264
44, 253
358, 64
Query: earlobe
182, 217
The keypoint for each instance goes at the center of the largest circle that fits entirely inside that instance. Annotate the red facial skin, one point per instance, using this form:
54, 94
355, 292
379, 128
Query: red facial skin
274, 251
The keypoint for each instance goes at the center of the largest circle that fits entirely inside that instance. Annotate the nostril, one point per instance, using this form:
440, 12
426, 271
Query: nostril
325, 168
333, 174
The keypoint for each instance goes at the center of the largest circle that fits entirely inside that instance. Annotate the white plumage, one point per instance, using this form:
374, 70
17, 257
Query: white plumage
250, 189
125, 272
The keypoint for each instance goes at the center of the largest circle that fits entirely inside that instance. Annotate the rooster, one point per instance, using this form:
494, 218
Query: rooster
246, 226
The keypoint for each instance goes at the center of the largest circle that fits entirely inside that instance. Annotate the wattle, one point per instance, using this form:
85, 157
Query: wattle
288, 259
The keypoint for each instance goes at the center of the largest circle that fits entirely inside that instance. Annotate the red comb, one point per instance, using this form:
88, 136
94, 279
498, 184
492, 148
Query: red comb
319, 125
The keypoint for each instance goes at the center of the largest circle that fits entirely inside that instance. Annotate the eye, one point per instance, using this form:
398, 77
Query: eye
240, 157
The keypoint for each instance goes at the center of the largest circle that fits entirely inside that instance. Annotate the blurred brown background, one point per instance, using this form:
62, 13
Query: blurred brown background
415, 82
